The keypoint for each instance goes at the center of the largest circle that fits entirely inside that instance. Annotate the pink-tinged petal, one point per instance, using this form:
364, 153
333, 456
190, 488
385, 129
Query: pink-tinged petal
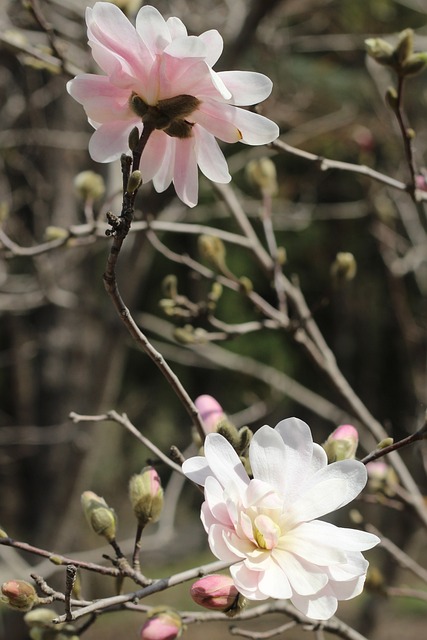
153, 156
214, 496
267, 455
185, 176
246, 87
247, 581
225, 463
274, 583
241, 547
210, 115
114, 40
206, 517
177, 76
177, 28
324, 533
209, 156
319, 608
102, 100
110, 140
218, 546
187, 47
164, 176
260, 493
304, 578
152, 29
214, 45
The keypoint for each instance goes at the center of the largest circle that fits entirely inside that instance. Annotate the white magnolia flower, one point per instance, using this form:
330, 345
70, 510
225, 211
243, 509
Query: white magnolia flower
268, 527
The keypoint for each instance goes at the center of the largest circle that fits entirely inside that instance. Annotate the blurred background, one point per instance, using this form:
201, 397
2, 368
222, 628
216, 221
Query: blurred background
63, 348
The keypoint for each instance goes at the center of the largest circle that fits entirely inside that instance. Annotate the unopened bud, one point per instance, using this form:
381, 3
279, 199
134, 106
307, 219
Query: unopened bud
89, 185
3, 533
262, 173
375, 580
42, 617
184, 335
392, 99
133, 139
245, 436
342, 443
55, 233
134, 182
212, 249
344, 267
164, 624
404, 47
170, 286
146, 496
380, 50
100, 517
19, 595
246, 285
281, 256
414, 64
210, 411
381, 477
217, 593
385, 443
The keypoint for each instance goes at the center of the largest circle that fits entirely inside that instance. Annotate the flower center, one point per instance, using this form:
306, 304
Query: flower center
168, 115
266, 532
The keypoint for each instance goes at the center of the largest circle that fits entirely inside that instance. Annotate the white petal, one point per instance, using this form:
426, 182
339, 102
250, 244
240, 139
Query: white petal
152, 28
110, 140
246, 87
255, 129
274, 582
319, 459
214, 496
211, 117
185, 176
246, 581
218, 545
164, 176
318, 608
267, 455
153, 155
225, 463
214, 45
316, 552
303, 577
187, 47
210, 157
325, 533
177, 28
197, 469
349, 589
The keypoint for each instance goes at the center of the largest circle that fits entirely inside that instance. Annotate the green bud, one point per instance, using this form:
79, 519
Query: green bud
133, 139
385, 443
184, 335
89, 185
146, 496
245, 435
134, 182
404, 47
19, 595
229, 432
55, 233
3, 533
380, 50
213, 250
281, 255
100, 517
262, 173
42, 618
170, 286
414, 64
391, 98
344, 267
246, 285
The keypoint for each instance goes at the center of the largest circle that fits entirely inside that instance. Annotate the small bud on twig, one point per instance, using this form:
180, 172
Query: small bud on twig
100, 517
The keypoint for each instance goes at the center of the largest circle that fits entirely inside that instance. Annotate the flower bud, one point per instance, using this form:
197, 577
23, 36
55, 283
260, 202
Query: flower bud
342, 443
212, 249
344, 267
163, 624
146, 496
380, 50
3, 533
89, 185
392, 99
133, 139
404, 46
262, 173
100, 517
414, 64
19, 595
134, 182
421, 182
210, 411
218, 593
381, 477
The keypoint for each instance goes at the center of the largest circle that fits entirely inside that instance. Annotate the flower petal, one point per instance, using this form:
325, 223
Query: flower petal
102, 100
225, 463
246, 87
185, 176
267, 455
214, 45
110, 140
152, 29
303, 577
209, 156
319, 608
274, 582
247, 581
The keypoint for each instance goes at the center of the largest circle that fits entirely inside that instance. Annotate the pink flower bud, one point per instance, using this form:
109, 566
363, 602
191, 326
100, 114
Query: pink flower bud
210, 411
381, 477
342, 443
146, 496
162, 625
19, 594
215, 592
420, 182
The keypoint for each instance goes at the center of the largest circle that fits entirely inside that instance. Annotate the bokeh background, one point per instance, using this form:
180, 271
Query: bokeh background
63, 349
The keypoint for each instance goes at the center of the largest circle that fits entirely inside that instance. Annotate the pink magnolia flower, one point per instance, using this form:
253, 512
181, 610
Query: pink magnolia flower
156, 73
268, 526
